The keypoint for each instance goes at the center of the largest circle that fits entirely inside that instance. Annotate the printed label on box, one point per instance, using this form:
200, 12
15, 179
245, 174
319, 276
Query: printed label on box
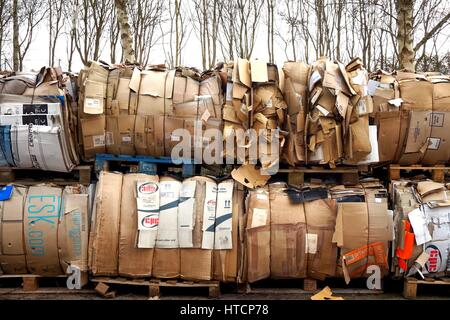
99, 141
434, 143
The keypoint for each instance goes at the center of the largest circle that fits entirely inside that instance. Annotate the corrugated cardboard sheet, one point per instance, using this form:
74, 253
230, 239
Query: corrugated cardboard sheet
104, 235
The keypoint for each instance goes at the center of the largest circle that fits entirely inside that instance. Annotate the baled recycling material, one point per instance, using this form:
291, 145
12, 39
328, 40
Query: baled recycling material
44, 229
166, 228
38, 122
291, 235
421, 216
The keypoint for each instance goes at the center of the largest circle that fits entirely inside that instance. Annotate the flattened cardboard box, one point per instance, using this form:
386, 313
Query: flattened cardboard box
105, 229
133, 261
166, 259
195, 209
321, 251
120, 134
288, 258
258, 235
93, 136
12, 242
73, 229
148, 209
41, 218
225, 262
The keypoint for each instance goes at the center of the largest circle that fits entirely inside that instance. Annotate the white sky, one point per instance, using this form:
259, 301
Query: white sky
37, 55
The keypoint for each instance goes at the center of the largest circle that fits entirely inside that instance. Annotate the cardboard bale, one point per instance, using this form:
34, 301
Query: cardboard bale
93, 89
363, 230
41, 218
133, 261
197, 210
166, 258
104, 249
73, 228
12, 242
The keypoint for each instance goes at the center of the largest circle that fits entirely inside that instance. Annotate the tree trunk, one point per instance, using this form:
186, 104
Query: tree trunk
405, 10
16, 46
125, 35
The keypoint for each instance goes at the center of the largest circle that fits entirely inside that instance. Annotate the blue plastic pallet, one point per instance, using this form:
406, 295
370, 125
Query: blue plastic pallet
146, 164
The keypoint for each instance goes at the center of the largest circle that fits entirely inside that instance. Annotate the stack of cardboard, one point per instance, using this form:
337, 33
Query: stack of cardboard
37, 124
410, 111
295, 90
293, 233
44, 229
187, 229
364, 228
422, 212
253, 101
144, 108
337, 123
288, 233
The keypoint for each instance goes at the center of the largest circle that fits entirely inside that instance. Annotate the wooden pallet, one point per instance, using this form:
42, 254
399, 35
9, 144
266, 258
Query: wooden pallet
296, 176
437, 172
411, 284
30, 282
142, 164
305, 286
154, 285
79, 175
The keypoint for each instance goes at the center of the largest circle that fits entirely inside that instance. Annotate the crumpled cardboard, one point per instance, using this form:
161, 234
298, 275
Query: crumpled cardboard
249, 176
430, 200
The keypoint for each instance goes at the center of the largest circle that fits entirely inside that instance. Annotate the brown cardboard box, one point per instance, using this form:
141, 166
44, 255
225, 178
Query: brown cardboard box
416, 95
388, 124
149, 131
103, 257
41, 217
93, 136
195, 262
258, 235
166, 257
322, 252
73, 228
12, 243
288, 258
226, 262
155, 92
120, 134
133, 262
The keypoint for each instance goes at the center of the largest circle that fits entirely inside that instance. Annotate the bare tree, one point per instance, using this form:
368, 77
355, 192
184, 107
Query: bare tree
270, 28
206, 26
227, 35
92, 21
28, 14
246, 25
126, 40
145, 17
178, 33
55, 25
71, 10
5, 18
113, 29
